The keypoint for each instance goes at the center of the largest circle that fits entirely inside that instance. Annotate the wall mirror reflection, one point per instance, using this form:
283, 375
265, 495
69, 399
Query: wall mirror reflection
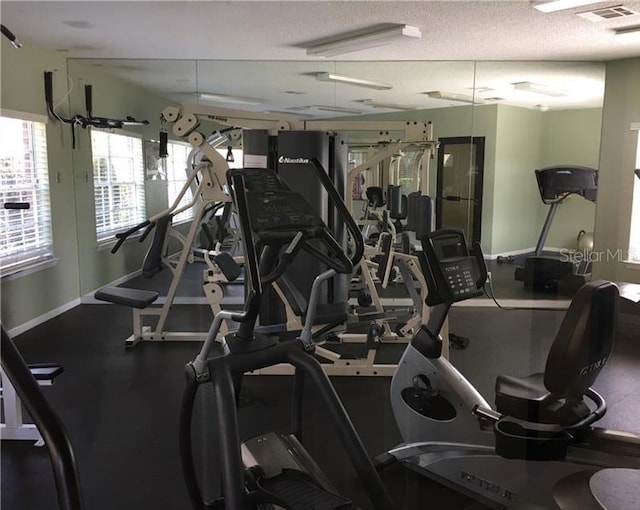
495, 123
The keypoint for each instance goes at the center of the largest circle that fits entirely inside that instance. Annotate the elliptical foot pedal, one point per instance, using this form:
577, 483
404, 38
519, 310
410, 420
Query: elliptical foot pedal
296, 490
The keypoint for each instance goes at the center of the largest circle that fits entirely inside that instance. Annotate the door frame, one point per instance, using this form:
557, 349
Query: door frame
478, 143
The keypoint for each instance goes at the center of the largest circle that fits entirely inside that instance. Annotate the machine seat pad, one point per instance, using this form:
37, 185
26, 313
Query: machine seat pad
134, 298
45, 372
329, 313
524, 398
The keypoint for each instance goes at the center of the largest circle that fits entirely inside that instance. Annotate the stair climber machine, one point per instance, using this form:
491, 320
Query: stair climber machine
273, 470
538, 448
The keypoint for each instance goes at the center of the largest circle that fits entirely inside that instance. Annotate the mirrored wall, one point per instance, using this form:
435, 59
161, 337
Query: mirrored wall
496, 122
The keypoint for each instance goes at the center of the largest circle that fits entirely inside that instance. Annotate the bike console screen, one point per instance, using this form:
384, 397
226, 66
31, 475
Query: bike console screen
455, 273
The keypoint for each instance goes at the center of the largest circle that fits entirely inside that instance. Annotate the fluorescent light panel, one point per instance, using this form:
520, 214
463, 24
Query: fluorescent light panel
561, 5
223, 98
628, 34
336, 109
364, 41
353, 81
379, 104
539, 88
452, 96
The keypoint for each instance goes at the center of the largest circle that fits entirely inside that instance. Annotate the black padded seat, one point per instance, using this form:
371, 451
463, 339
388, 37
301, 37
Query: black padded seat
522, 397
375, 196
329, 313
578, 354
326, 313
135, 298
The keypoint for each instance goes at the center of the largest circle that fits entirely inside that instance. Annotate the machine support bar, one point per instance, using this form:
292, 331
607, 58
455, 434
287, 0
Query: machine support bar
229, 439
545, 228
345, 429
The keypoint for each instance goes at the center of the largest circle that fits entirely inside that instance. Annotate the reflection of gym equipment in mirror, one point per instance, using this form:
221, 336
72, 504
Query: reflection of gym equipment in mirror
459, 185
538, 448
557, 272
186, 123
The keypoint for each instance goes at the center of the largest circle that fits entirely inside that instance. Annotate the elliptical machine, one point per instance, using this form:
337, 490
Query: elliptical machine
274, 469
538, 447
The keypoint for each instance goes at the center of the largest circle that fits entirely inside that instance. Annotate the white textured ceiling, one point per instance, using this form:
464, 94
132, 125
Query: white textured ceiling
176, 48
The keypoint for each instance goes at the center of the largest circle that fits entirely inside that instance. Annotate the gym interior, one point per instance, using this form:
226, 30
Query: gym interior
504, 135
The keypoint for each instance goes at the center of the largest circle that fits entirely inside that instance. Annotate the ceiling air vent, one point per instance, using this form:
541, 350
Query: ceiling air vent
607, 13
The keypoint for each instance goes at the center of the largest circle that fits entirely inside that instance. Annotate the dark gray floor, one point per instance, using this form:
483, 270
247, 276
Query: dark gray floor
121, 409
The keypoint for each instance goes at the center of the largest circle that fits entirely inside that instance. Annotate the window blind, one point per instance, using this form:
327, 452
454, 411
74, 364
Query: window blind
177, 173
25, 234
118, 179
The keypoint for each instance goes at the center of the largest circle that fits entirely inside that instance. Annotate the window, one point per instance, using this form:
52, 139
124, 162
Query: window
634, 238
118, 179
25, 234
177, 173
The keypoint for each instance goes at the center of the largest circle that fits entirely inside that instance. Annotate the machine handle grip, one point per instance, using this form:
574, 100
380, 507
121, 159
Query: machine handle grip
17, 205
122, 236
285, 258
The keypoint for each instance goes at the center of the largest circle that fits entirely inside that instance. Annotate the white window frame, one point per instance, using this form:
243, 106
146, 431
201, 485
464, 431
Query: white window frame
26, 236
136, 179
634, 231
175, 168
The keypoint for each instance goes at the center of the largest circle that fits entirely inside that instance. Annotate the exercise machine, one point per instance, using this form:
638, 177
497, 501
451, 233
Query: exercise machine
277, 224
547, 272
538, 446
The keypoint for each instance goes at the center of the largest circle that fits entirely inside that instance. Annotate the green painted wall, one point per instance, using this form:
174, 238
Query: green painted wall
114, 98
529, 139
617, 161
516, 211
571, 137
31, 295
81, 267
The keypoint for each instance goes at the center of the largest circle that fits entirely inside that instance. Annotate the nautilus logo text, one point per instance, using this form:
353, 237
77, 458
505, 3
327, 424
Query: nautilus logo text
282, 159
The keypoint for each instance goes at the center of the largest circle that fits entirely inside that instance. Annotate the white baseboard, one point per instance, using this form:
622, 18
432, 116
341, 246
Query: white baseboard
524, 304
13, 332
88, 298
513, 253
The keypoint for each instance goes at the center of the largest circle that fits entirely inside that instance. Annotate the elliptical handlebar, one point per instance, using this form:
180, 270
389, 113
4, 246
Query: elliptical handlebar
342, 210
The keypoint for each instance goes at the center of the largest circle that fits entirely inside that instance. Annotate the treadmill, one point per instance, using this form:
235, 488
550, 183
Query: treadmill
550, 272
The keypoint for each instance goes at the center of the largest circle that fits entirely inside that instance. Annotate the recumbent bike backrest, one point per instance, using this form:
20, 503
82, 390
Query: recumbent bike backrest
584, 341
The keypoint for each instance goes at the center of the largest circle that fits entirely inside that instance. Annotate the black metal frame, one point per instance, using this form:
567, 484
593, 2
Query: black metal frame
56, 439
245, 352
478, 144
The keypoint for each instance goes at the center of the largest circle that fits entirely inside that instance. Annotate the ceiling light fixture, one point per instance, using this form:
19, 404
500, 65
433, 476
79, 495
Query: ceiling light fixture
628, 34
222, 98
378, 104
336, 109
561, 5
452, 96
353, 81
539, 88
364, 40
